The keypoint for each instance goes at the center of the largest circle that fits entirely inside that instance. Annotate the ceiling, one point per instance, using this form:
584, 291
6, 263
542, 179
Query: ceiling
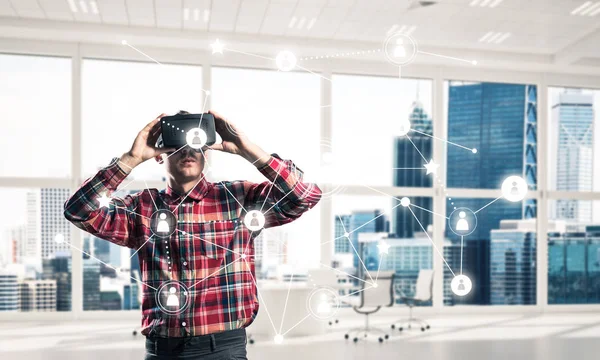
545, 27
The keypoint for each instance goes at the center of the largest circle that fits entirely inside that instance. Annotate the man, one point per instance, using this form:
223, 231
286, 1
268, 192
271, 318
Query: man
199, 288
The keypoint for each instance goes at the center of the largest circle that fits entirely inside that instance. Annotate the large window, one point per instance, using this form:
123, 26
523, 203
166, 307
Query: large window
280, 112
369, 141
119, 98
35, 93
492, 134
35, 268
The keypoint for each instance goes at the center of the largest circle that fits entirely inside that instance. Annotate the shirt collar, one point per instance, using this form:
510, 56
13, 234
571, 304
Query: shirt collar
197, 193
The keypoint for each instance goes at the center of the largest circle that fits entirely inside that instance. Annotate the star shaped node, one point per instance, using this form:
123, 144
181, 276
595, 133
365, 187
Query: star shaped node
383, 247
104, 200
431, 167
217, 47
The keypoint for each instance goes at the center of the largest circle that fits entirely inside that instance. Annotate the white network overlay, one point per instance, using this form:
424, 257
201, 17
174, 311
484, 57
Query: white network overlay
513, 189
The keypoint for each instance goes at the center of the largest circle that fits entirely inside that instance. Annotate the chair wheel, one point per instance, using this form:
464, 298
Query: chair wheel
400, 328
330, 323
386, 336
251, 341
380, 340
337, 321
428, 327
393, 326
355, 339
422, 329
346, 336
134, 332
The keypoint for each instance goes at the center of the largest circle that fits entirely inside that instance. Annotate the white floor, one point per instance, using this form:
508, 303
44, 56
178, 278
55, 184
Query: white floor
514, 337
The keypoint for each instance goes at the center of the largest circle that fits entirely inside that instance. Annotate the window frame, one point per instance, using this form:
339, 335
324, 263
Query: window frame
438, 74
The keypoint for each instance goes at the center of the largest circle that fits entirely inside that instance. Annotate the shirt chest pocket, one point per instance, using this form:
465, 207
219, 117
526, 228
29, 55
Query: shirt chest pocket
214, 239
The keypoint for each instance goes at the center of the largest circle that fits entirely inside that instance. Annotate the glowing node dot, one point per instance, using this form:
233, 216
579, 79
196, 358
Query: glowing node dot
405, 201
243, 256
124, 42
474, 62
278, 339
59, 238
474, 151
375, 285
346, 234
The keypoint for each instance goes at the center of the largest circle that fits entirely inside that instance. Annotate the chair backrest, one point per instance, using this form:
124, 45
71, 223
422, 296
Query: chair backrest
383, 294
323, 277
424, 286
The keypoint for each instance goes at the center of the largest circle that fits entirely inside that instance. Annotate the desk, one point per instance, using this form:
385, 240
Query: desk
273, 296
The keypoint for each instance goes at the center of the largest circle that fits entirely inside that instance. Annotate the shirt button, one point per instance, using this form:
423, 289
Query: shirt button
185, 263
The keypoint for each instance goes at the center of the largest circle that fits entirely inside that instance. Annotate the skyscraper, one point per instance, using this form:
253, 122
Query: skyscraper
342, 224
58, 268
513, 270
500, 120
91, 284
408, 158
368, 221
33, 229
38, 295
53, 221
572, 141
9, 291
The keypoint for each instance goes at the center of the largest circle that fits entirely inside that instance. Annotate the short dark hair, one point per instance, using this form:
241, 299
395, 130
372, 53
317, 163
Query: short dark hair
183, 112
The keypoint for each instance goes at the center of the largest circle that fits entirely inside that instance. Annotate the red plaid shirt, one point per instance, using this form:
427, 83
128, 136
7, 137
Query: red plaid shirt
205, 253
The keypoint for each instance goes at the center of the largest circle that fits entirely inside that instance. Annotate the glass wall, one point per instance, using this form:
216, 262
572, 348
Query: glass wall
492, 134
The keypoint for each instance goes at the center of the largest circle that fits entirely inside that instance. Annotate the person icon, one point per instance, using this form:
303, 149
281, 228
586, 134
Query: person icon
324, 306
462, 224
254, 221
172, 299
461, 286
514, 190
399, 50
163, 225
196, 140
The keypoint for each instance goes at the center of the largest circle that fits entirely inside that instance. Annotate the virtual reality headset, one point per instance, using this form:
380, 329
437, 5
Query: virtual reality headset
194, 130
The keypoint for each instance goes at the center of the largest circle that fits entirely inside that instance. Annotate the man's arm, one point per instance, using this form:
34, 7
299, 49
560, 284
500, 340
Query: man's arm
114, 221
285, 196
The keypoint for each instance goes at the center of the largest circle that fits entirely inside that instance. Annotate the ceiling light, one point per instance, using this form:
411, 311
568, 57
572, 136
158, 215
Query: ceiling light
494, 37
485, 3
292, 22
73, 6
196, 14
584, 8
94, 7
311, 23
411, 30
186, 14
591, 10
206, 15
392, 29
301, 22
595, 12
83, 6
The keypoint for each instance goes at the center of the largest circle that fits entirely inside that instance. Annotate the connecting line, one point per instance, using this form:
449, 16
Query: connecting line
432, 243
188, 193
314, 73
132, 255
125, 186
146, 55
356, 292
150, 193
208, 242
299, 322
472, 62
216, 271
345, 273
416, 148
248, 244
260, 296
133, 212
175, 152
378, 267
435, 137
375, 218
488, 204
278, 201
462, 238
422, 208
286, 302
360, 259
110, 266
249, 54
271, 188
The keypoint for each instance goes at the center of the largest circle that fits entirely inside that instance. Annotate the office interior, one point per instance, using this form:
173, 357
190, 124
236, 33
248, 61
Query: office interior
450, 139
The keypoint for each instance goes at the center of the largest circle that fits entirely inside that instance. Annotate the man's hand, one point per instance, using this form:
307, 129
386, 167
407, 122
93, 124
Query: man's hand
143, 147
235, 142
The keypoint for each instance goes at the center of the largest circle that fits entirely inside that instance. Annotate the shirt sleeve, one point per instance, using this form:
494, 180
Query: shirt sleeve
114, 222
285, 197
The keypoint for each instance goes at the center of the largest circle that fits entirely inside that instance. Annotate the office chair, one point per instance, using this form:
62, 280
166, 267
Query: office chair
370, 301
423, 293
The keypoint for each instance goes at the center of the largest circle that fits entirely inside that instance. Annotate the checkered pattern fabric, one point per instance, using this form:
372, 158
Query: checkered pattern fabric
211, 251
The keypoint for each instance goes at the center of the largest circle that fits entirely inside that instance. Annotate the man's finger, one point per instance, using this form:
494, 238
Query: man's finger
218, 147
